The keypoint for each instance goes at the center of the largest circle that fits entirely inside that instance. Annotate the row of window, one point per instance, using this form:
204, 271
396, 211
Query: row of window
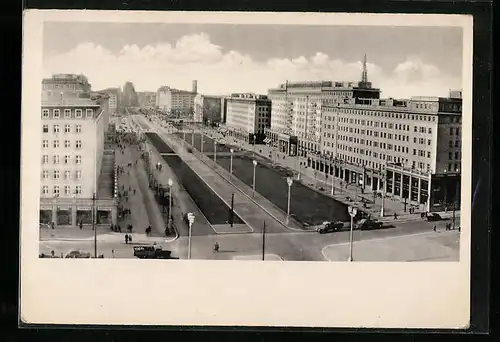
67, 128
56, 159
56, 113
56, 174
451, 155
67, 144
454, 130
67, 190
386, 114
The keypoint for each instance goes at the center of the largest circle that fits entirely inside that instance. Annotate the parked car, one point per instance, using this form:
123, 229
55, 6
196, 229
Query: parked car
76, 254
367, 224
329, 227
434, 217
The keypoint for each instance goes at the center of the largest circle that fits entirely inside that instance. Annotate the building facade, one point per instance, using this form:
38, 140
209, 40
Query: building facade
72, 150
297, 109
409, 149
175, 101
207, 109
77, 84
248, 116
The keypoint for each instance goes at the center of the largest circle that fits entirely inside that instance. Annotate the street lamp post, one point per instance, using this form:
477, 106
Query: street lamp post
289, 181
352, 212
169, 220
333, 183
253, 184
382, 211
192, 138
215, 152
201, 143
191, 221
183, 136
254, 137
76, 209
231, 163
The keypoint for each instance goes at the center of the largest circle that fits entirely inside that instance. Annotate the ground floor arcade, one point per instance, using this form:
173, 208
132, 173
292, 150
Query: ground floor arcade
69, 212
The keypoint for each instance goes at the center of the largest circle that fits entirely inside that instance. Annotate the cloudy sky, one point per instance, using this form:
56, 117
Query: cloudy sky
402, 61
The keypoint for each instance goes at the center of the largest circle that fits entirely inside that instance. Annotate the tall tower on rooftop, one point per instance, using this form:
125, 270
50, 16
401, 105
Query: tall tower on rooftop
364, 76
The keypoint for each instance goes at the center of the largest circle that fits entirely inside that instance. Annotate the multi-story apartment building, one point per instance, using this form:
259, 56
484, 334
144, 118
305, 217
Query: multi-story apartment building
207, 108
412, 146
72, 148
114, 94
247, 116
175, 101
408, 148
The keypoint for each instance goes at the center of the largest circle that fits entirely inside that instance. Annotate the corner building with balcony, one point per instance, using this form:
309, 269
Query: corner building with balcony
72, 162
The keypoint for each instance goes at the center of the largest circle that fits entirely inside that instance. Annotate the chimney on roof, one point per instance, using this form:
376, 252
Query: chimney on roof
62, 97
195, 86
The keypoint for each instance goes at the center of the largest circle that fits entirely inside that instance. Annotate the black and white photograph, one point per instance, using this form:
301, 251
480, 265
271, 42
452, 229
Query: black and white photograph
270, 141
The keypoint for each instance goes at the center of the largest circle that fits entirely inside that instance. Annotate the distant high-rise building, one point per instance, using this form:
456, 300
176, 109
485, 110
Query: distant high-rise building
129, 95
248, 115
207, 108
195, 86
175, 101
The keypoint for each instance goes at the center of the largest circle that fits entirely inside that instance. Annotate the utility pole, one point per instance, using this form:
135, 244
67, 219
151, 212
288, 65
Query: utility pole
93, 224
231, 212
264, 241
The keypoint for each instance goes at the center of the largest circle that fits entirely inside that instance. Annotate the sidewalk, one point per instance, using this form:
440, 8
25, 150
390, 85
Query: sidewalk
128, 180
156, 218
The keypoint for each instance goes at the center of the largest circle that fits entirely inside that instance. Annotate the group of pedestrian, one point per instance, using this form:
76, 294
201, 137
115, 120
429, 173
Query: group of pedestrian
128, 238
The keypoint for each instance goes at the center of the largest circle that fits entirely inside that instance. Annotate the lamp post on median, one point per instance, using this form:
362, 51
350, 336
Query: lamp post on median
352, 212
183, 136
231, 163
201, 143
289, 181
169, 220
215, 152
190, 217
253, 184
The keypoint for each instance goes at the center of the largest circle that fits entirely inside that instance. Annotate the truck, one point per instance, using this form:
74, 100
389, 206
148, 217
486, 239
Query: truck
368, 224
152, 252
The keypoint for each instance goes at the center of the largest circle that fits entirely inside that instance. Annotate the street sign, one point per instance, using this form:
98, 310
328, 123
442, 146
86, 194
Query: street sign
352, 211
190, 217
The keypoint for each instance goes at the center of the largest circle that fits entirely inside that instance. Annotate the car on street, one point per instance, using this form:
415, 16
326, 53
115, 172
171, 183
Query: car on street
152, 252
329, 227
434, 217
367, 224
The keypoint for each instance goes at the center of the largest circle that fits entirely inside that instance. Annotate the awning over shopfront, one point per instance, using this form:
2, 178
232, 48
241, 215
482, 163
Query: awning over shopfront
267, 140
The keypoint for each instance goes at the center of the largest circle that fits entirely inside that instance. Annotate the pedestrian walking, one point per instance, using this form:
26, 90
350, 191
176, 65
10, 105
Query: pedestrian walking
395, 216
126, 239
434, 228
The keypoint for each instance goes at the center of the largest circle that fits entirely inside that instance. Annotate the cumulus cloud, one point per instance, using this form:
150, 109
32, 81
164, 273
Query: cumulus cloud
222, 72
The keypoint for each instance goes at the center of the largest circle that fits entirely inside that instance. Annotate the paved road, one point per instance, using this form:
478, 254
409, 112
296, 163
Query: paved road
307, 205
408, 240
